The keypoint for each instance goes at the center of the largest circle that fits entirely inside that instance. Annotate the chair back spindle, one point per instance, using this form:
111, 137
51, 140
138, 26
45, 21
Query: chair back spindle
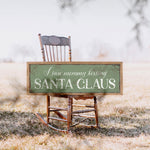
55, 48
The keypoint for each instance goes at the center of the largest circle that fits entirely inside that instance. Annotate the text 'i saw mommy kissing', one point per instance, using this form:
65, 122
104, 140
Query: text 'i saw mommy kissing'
62, 80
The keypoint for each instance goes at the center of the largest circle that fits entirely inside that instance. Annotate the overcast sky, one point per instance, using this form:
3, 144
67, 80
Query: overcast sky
100, 23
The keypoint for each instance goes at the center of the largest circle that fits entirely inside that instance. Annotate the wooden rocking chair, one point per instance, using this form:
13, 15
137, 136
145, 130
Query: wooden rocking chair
55, 49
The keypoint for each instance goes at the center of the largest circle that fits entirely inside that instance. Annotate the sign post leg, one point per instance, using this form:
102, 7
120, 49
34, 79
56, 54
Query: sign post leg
48, 107
96, 111
69, 113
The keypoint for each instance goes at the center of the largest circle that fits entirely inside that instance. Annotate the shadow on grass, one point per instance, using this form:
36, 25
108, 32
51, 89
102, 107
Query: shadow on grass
21, 124
130, 124
112, 131
27, 124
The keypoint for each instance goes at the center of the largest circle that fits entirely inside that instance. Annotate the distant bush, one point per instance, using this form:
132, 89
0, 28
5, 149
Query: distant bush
6, 60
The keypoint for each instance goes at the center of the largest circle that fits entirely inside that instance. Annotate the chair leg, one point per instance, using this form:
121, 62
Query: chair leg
47, 123
69, 113
48, 109
96, 111
71, 109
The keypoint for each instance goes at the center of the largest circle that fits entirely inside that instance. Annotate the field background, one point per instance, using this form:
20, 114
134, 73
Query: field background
124, 120
116, 30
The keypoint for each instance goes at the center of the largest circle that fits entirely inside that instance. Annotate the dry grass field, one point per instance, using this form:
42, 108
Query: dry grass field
124, 120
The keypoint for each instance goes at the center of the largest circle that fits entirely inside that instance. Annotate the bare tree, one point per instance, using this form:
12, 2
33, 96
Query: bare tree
63, 4
135, 11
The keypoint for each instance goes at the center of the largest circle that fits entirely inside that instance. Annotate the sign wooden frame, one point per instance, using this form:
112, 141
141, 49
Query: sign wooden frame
75, 63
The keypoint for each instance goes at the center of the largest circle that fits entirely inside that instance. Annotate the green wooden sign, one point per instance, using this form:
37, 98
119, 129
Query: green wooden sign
74, 78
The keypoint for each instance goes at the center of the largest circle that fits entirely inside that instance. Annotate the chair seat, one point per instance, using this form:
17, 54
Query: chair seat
76, 97
82, 97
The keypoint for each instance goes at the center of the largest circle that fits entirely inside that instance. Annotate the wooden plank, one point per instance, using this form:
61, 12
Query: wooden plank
57, 108
42, 48
69, 113
58, 119
83, 111
77, 105
78, 122
64, 109
89, 126
53, 53
50, 53
64, 53
57, 52
59, 114
96, 110
86, 116
70, 58
48, 105
61, 53
46, 53
41, 119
